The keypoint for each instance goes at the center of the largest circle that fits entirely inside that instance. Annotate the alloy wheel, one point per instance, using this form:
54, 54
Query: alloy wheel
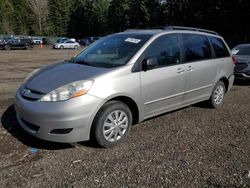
219, 94
115, 125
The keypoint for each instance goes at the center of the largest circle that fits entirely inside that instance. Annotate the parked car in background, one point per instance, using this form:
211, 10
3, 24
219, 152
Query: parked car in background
45, 41
89, 40
84, 42
37, 40
241, 54
6, 39
68, 44
123, 79
17, 43
61, 40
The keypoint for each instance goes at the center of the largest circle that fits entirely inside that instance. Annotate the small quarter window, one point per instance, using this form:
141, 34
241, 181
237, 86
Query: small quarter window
219, 47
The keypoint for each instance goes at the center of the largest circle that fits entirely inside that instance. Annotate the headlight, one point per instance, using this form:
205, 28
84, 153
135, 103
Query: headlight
72, 90
31, 74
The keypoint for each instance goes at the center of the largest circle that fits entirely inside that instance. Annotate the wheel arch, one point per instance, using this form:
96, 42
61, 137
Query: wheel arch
131, 104
225, 81
121, 98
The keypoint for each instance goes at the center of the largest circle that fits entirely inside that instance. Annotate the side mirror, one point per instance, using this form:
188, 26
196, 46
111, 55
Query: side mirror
149, 64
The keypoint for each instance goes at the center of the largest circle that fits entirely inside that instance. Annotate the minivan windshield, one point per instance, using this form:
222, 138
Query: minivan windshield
112, 51
241, 50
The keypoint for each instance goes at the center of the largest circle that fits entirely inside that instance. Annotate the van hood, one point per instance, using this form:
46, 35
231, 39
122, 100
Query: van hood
54, 76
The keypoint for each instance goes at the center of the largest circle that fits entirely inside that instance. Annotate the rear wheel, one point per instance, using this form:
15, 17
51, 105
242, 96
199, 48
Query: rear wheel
217, 97
112, 124
76, 47
28, 47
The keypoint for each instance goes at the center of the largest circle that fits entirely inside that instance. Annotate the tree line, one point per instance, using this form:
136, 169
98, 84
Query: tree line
81, 18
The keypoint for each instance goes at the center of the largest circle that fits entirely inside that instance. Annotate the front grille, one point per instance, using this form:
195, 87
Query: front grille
30, 99
241, 66
31, 95
31, 126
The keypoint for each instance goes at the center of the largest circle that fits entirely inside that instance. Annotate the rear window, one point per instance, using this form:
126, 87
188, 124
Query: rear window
219, 47
196, 47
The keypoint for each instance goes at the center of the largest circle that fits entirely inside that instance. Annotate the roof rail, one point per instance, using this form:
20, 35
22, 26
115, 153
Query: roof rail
127, 30
131, 30
189, 29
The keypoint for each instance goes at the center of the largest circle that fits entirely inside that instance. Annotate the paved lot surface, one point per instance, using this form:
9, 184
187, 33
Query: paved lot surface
192, 147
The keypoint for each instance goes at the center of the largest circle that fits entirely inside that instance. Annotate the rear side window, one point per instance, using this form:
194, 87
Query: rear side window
219, 47
196, 47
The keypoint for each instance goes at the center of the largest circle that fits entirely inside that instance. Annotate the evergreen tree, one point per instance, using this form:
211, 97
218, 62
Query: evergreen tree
81, 18
20, 18
6, 16
138, 14
89, 19
118, 18
100, 17
59, 16
157, 14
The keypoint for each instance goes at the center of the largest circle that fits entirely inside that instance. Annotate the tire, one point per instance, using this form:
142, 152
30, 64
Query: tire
61, 47
28, 47
7, 47
218, 94
107, 120
75, 47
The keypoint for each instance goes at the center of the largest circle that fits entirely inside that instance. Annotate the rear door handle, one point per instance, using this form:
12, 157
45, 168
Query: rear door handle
190, 68
180, 70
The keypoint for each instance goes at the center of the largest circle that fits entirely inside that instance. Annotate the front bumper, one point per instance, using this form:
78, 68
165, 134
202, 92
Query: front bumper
242, 71
242, 76
45, 119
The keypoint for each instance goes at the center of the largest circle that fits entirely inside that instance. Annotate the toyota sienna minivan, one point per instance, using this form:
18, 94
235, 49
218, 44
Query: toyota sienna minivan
124, 79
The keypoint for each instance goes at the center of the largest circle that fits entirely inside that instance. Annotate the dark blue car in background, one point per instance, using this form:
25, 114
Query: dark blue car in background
241, 54
88, 40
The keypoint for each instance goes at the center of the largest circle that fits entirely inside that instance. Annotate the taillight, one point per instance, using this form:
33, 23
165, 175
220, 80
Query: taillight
234, 60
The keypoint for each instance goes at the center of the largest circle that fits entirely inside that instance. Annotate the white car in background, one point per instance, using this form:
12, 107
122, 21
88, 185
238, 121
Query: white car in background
37, 40
68, 44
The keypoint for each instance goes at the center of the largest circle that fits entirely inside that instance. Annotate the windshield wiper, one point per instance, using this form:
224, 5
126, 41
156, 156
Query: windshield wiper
97, 64
84, 63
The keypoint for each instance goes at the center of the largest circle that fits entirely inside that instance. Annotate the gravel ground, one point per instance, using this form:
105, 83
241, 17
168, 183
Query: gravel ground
192, 147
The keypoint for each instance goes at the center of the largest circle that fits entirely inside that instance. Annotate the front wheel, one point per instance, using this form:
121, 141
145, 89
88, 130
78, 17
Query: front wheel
61, 47
75, 47
112, 124
217, 97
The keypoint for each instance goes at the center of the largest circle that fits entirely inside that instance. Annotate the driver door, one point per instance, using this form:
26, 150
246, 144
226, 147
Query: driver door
163, 84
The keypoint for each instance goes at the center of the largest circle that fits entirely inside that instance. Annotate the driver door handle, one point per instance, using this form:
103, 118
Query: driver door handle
180, 70
190, 68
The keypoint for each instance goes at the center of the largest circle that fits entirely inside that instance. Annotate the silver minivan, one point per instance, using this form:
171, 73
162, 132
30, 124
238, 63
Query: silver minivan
124, 79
